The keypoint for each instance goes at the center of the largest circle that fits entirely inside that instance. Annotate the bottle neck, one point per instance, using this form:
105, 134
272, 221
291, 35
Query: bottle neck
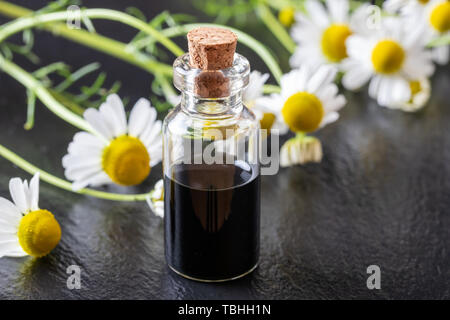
211, 107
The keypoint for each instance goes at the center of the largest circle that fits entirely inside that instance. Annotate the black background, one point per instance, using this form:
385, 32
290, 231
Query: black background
380, 196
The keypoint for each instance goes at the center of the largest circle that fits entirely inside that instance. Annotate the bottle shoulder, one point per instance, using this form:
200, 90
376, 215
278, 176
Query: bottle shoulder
181, 122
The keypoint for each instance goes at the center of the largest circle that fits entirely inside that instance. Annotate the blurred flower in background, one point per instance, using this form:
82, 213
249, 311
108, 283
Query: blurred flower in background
433, 14
321, 32
420, 94
308, 101
392, 57
123, 154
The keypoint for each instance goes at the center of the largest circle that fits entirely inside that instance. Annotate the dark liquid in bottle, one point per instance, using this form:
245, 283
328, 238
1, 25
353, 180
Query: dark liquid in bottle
212, 220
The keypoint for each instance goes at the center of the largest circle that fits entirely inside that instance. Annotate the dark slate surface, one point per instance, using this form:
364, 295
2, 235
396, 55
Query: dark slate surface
380, 196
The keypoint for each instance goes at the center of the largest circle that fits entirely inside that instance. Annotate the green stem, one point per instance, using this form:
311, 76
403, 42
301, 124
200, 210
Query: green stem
93, 40
275, 27
103, 44
440, 41
36, 20
246, 39
63, 184
67, 102
300, 135
42, 93
270, 88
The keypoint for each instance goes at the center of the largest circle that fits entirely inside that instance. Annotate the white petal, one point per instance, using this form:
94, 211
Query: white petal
392, 6
255, 86
9, 246
97, 122
155, 153
8, 228
9, 211
307, 56
279, 127
77, 173
401, 91
18, 194
360, 18
374, 86
17, 253
328, 92
81, 161
393, 90
317, 13
113, 119
418, 65
356, 78
159, 186
441, 54
76, 149
141, 115
87, 139
329, 118
95, 179
338, 10
7, 237
324, 75
358, 47
335, 104
151, 132
285, 160
294, 81
34, 192
116, 103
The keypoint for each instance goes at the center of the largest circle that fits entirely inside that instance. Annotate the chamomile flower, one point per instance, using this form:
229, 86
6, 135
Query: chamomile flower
420, 94
308, 100
434, 14
390, 57
156, 199
321, 33
124, 154
25, 229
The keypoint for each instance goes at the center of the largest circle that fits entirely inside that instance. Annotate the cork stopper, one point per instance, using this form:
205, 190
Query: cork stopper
211, 48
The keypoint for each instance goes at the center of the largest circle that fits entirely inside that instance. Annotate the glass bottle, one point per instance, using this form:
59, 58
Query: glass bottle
211, 173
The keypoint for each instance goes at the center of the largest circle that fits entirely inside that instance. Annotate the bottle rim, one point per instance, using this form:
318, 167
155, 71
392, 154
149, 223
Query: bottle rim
185, 76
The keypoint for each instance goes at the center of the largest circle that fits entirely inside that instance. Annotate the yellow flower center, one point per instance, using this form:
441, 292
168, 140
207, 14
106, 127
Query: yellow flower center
440, 17
303, 112
415, 87
387, 57
424, 1
39, 233
287, 16
333, 42
126, 161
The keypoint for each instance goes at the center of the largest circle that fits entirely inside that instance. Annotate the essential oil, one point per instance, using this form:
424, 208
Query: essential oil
212, 220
